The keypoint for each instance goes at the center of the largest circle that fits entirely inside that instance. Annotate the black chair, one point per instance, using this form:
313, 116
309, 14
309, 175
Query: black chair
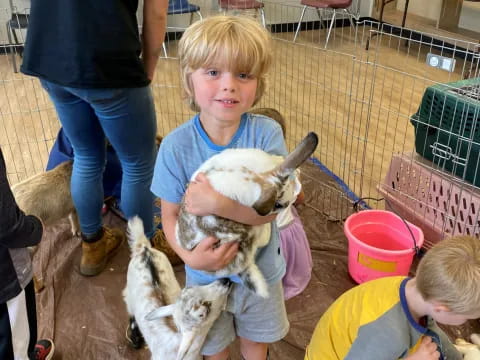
18, 21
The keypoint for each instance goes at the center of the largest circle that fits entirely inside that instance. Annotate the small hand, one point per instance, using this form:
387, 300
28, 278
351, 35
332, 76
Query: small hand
208, 256
201, 198
426, 351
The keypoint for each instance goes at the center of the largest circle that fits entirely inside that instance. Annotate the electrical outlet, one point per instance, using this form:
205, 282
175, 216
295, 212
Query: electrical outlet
441, 62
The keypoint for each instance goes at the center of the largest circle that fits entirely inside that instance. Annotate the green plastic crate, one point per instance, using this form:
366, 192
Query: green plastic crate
447, 128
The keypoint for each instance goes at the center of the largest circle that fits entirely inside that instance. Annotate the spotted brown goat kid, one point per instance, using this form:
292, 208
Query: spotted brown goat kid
256, 179
173, 322
48, 197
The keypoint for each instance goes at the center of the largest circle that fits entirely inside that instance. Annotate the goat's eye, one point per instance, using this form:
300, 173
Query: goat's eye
278, 205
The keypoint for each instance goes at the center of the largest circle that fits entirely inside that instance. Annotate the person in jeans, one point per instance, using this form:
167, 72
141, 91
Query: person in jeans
18, 318
87, 56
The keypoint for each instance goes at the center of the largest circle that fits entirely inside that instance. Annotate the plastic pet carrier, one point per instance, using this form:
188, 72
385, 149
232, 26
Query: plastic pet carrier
447, 128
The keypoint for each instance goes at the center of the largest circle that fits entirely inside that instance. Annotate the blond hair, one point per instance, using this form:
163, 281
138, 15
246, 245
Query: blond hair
238, 43
449, 274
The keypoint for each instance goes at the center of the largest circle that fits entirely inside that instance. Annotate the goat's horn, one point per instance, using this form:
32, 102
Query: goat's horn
298, 156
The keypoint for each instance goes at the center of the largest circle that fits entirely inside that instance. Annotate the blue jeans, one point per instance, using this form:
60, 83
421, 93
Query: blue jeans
126, 117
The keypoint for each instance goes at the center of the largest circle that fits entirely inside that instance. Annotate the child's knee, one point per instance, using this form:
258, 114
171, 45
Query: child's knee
223, 355
253, 350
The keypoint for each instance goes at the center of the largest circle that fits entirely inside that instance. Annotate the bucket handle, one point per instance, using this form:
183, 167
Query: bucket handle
356, 207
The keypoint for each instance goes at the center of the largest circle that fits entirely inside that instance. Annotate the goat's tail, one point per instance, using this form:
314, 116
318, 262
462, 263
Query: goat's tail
136, 234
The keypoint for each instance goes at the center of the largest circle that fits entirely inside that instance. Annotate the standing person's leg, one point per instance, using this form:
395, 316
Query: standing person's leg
83, 129
128, 121
88, 141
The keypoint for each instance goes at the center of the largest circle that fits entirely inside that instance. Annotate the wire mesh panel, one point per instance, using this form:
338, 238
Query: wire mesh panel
405, 118
28, 123
360, 93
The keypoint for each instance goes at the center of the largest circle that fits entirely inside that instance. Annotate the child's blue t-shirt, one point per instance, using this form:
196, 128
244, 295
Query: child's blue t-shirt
188, 146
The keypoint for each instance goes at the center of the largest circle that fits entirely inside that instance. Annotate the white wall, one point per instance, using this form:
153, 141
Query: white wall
470, 16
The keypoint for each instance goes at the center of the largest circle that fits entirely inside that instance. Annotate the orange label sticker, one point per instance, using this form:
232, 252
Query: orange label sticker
375, 264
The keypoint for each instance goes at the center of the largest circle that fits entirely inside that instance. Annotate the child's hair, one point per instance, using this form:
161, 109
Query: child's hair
239, 43
449, 274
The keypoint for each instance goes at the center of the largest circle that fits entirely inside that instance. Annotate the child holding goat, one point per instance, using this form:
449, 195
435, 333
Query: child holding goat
223, 62
396, 317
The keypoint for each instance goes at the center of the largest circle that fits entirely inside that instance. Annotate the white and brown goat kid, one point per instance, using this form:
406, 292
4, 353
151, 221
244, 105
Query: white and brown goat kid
173, 322
253, 178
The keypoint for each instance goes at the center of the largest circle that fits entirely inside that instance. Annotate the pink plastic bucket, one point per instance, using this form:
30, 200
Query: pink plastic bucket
379, 245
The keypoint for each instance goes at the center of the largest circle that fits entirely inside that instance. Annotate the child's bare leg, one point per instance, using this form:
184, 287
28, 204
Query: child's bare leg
252, 350
223, 355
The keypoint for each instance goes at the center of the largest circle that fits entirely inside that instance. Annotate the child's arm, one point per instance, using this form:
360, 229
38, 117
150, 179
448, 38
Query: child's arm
153, 33
204, 256
202, 199
17, 230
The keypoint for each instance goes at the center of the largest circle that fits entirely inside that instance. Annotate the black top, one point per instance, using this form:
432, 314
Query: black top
85, 43
16, 231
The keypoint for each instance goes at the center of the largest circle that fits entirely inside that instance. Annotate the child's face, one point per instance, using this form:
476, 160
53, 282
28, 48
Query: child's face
223, 95
448, 317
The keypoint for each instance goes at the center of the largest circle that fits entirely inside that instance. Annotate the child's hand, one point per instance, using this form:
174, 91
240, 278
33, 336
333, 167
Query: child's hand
201, 198
208, 257
426, 351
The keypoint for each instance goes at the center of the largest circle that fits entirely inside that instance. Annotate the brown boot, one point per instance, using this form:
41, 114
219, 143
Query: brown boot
95, 254
159, 242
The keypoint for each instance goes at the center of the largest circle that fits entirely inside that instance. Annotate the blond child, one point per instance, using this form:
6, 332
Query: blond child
396, 317
223, 65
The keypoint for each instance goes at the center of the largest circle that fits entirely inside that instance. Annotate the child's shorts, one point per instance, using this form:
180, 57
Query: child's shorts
249, 316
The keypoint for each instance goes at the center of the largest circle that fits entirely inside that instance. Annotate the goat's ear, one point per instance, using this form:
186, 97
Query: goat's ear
185, 344
298, 156
160, 312
265, 204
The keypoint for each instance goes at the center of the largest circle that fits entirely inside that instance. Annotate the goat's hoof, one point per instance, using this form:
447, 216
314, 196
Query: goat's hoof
134, 337
38, 284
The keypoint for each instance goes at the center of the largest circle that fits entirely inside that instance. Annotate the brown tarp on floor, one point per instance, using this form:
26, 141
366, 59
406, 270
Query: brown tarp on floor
87, 318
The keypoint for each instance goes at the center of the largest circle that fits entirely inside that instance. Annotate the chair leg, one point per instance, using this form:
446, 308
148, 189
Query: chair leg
13, 47
191, 18
262, 13
164, 49
299, 23
353, 20
320, 17
332, 21
199, 15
